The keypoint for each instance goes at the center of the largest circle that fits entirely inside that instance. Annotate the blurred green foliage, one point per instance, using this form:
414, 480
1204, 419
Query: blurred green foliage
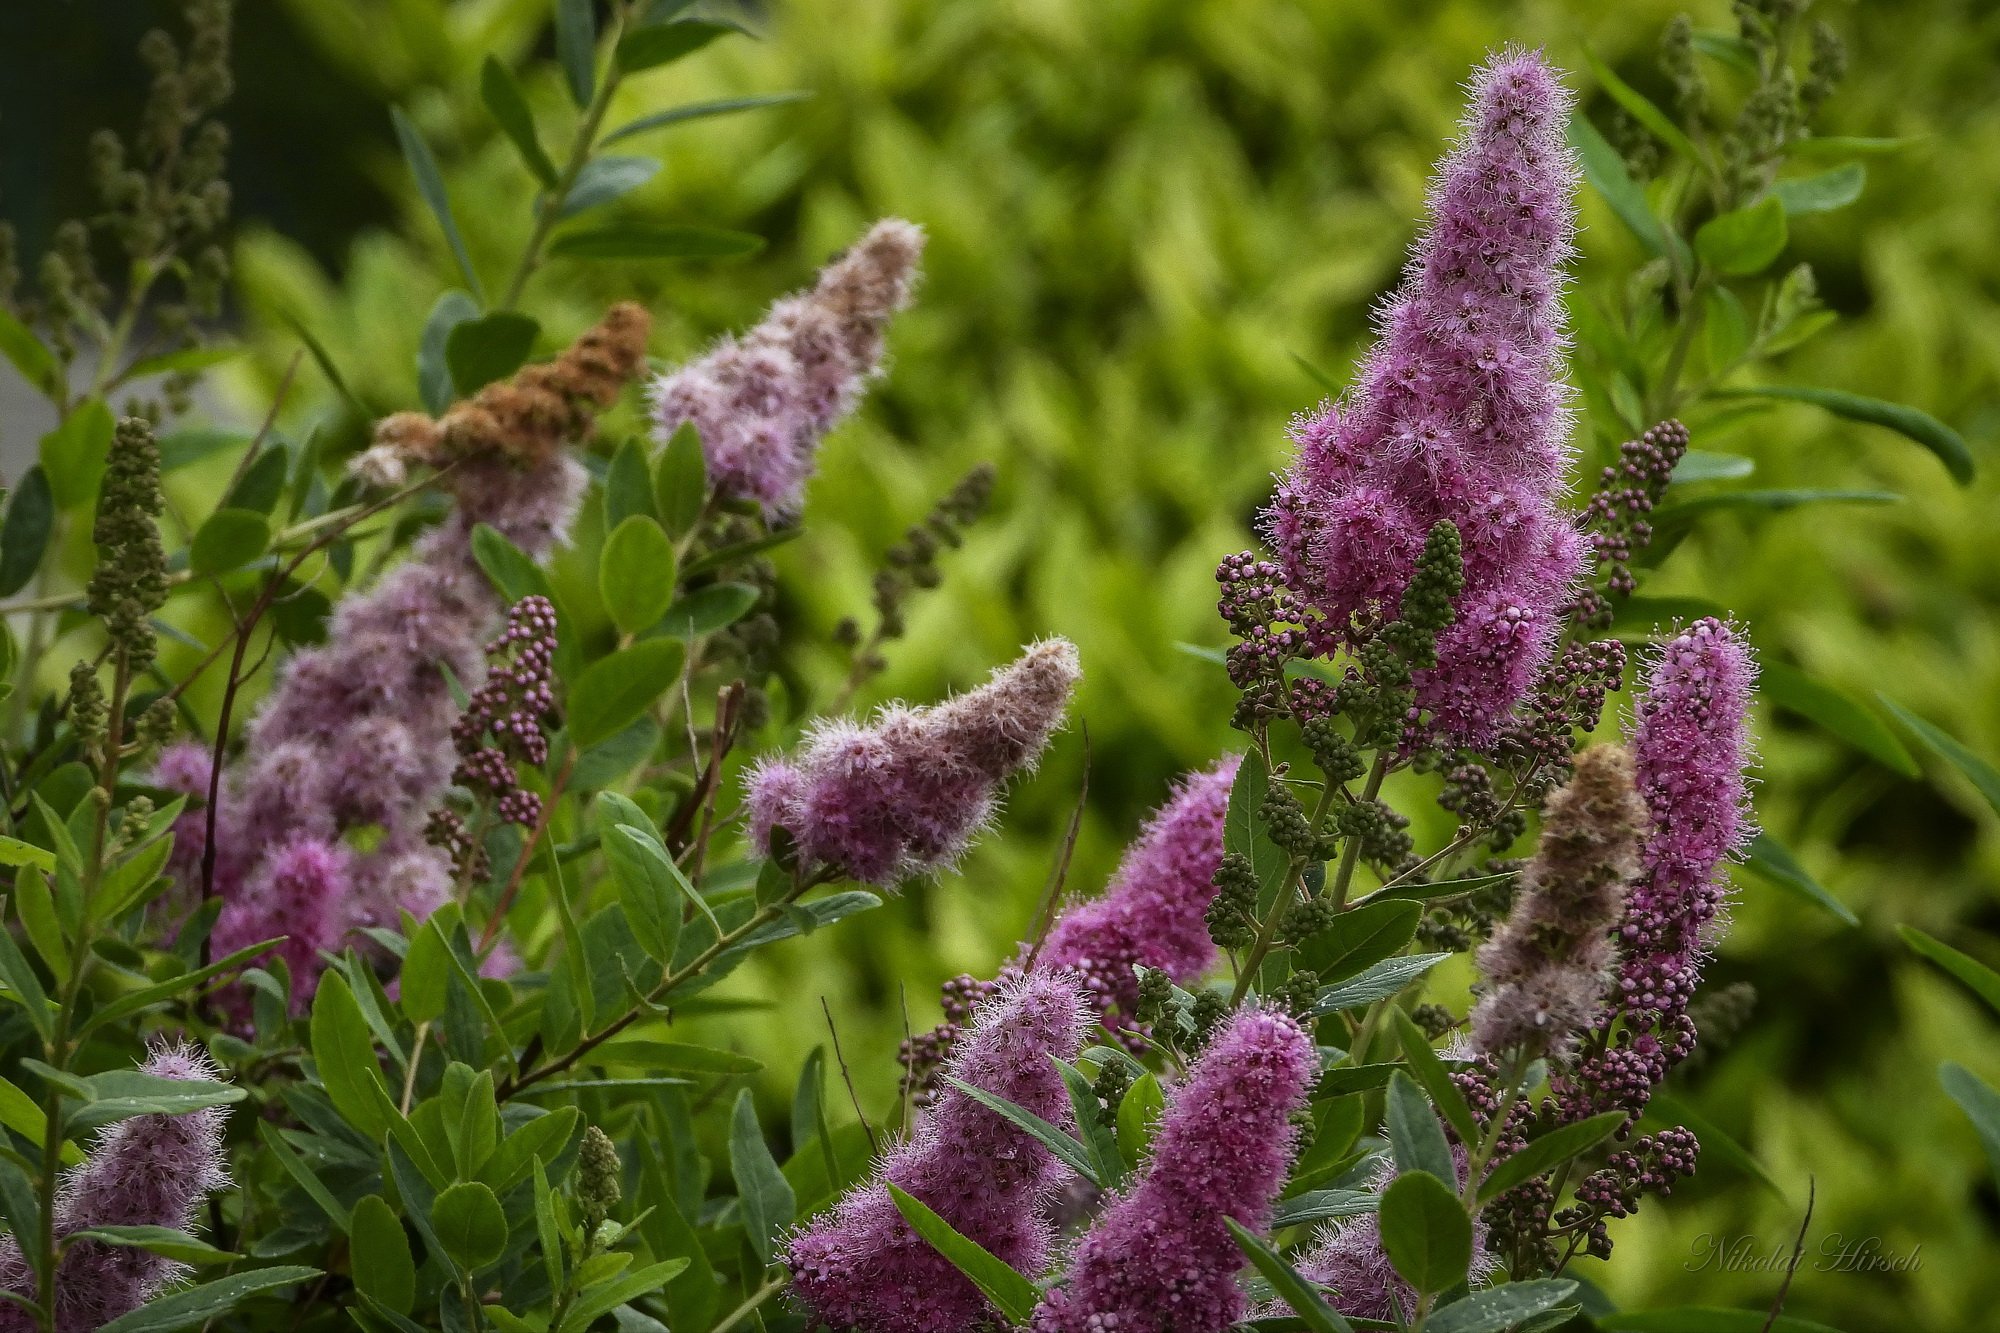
1144, 215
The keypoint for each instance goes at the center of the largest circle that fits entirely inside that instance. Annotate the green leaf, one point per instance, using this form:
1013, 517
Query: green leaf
14, 852
1743, 240
20, 1205
304, 1176
344, 1050
706, 610
647, 889
1099, 1139
1286, 1283
1979, 1102
480, 351
512, 571
501, 92
628, 485
470, 1225
324, 361
605, 180
1243, 831
262, 484
31, 516
720, 106
540, 1140
663, 43
430, 184
1920, 426
653, 240
384, 1269
1497, 1309
548, 1227
1716, 1143
186, 361
1139, 1114
1415, 1138
433, 373
635, 573
1013, 1295
680, 482
192, 1307
1981, 774
1769, 860
1984, 981
762, 1193
39, 921
73, 453
30, 356
681, 1057
576, 47
120, 1094
1700, 465
23, 985
1321, 1206
1641, 108
1436, 1080
603, 1298
25, 1116
229, 539
1604, 169
1678, 514
1377, 983
1425, 1231
613, 691
1065, 1146
1549, 1151
1824, 192
168, 1242
1361, 937
133, 1001
1837, 712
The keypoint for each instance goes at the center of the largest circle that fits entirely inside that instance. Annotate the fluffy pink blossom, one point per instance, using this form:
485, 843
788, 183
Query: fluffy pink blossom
861, 1266
1154, 912
1159, 1258
762, 402
151, 1170
1460, 413
905, 793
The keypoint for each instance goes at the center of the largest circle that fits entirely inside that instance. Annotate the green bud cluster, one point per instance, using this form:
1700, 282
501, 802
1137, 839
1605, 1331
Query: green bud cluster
1307, 918
1208, 1012
130, 581
1297, 993
598, 1173
89, 717
1285, 820
1156, 997
912, 566
1232, 915
1113, 1081
1434, 1019
1337, 756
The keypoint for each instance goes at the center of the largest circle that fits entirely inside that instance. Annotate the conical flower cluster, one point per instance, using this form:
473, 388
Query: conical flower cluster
1155, 911
1459, 414
1160, 1258
151, 1170
905, 794
861, 1265
762, 402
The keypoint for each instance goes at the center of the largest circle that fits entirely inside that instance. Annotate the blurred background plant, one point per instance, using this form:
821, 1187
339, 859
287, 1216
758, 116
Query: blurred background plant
1156, 228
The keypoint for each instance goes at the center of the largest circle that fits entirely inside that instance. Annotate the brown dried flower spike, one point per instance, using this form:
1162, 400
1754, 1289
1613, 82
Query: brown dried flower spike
526, 418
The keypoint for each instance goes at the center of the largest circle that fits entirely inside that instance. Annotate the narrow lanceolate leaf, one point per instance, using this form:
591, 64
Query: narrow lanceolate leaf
1672, 517
1770, 861
1605, 170
30, 356
1979, 1102
664, 43
1822, 192
1066, 1148
1377, 983
1497, 1309
1641, 108
576, 47
430, 184
1548, 1152
1836, 711
1435, 1078
344, 1050
1013, 1295
1985, 982
605, 180
1286, 1283
1322, 1206
1744, 240
1425, 1231
501, 92
614, 691
31, 514
763, 1195
1098, 1138
192, 1307
721, 106
1415, 1137
1982, 774
1910, 422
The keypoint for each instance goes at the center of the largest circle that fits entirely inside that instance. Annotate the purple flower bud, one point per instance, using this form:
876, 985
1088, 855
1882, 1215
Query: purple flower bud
905, 794
861, 1266
763, 401
151, 1170
1460, 414
1154, 913
1159, 1258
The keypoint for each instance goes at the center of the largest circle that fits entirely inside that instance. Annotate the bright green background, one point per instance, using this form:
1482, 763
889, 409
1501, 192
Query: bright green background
1140, 211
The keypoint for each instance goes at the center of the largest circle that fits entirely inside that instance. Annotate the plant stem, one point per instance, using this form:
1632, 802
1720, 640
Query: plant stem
749, 1306
1268, 929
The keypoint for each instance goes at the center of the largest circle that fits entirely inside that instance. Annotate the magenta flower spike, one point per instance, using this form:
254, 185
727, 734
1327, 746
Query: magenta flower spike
1460, 413
151, 1170
905, 794
861, 1266
1159, 1258
762, 402
1154, 912
357, 733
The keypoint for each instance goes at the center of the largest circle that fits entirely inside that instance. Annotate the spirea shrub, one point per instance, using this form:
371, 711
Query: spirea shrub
375, 827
